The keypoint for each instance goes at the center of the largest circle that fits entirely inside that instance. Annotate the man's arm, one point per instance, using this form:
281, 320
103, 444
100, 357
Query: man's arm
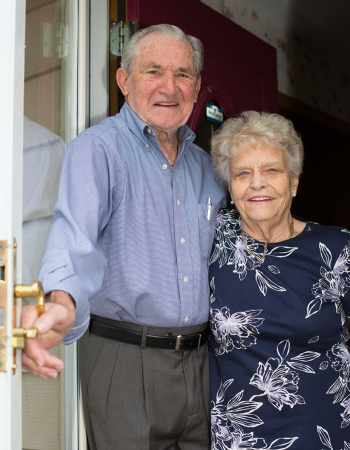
74, 263
53, 325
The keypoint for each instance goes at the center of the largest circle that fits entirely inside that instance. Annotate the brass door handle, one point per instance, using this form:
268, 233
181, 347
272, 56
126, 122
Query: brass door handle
9, 335
34, 290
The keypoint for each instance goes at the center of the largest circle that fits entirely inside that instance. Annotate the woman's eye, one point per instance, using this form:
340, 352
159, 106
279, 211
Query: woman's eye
242, 173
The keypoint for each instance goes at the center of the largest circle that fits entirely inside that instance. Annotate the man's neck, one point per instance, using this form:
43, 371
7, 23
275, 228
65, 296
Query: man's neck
168, 143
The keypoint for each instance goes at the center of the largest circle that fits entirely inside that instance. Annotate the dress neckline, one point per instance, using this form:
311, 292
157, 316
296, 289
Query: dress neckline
285, 241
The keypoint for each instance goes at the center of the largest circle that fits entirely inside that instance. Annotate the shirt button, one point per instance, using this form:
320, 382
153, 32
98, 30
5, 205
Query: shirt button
164, 166
186, 279
147, 145
186, 319
182, 240
178, 202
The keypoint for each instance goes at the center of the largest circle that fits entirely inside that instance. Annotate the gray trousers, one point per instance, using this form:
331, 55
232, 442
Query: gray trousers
143, 398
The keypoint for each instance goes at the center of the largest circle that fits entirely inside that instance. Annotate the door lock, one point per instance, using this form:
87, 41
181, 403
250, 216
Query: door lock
19, 335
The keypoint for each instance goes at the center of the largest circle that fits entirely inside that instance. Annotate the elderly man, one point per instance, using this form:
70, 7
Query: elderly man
128, 254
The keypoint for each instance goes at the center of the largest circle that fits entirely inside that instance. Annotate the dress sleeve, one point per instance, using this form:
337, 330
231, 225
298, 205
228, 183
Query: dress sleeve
73, 261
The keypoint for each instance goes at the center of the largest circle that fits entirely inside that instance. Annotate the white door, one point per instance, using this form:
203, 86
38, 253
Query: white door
43, 92
12, 19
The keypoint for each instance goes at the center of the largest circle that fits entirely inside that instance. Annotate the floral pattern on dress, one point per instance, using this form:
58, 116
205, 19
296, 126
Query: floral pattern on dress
278, 378
326, 440
334, 282
234, 331
339, 360
243, 253
232, 420
238, 330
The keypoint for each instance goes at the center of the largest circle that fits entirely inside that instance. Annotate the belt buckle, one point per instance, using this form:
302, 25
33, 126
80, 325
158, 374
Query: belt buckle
178, 342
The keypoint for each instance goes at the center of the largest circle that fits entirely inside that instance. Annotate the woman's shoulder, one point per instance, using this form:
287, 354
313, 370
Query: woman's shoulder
330, 235
328, 231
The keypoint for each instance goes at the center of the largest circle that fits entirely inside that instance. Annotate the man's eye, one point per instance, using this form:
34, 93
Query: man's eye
183, 75
152, 71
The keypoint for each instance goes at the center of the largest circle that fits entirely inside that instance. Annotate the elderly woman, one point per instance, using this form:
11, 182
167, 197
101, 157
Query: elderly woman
280, 297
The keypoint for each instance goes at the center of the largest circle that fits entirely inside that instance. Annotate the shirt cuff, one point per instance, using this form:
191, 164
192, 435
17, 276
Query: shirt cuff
76, 332
61, 277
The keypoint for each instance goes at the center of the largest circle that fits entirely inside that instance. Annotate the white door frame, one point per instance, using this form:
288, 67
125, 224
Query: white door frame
12, 37
77, 88
92, 28
93, 75
92, 106
99, 60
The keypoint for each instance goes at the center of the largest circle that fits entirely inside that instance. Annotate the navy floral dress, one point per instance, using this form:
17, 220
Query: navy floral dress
280, 366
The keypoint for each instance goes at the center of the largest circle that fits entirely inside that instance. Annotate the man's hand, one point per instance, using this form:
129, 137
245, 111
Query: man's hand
52, 325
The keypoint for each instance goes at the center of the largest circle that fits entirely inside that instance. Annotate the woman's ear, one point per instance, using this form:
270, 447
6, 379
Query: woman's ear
294, 185
232, 202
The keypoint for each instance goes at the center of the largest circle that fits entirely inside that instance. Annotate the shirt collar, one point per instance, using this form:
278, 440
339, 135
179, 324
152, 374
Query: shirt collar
137, 126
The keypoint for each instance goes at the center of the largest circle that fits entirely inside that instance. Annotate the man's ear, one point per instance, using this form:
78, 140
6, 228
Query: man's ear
121, 77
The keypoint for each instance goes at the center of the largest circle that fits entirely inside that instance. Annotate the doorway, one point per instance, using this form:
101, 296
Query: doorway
49, 413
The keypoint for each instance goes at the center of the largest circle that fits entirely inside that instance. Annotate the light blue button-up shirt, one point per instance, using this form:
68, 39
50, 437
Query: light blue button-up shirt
132, 234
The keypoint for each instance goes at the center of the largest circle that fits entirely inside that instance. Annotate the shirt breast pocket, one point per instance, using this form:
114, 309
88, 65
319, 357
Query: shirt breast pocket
206, 226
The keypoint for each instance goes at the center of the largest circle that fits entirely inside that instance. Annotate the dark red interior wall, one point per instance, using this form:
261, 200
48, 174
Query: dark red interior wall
240, 69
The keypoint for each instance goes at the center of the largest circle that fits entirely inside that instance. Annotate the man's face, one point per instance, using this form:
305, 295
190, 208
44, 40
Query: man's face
162, 86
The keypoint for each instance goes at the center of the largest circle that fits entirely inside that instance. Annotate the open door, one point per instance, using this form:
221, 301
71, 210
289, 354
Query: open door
43, 95
12, 23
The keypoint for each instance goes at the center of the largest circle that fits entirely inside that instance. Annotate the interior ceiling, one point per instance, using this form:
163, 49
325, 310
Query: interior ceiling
324, 25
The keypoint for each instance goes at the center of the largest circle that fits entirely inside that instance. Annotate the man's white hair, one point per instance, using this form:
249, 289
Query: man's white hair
131, 48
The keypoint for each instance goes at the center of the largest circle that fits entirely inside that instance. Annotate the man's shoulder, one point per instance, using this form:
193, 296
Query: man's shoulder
199, 153
200, 163
104, 129
105, 135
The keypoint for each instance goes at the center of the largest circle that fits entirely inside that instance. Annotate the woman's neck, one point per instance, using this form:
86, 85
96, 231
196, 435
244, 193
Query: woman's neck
270, 232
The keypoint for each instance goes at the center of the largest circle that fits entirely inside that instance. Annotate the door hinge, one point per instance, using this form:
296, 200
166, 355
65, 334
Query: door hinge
119, 34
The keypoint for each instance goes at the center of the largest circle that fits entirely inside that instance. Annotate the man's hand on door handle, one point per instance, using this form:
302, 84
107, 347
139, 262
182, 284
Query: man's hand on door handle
52, 325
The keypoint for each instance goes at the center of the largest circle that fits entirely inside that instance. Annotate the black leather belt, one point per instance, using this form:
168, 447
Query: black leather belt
109, 329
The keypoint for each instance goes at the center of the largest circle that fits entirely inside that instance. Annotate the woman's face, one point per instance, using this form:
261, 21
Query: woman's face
261, 185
